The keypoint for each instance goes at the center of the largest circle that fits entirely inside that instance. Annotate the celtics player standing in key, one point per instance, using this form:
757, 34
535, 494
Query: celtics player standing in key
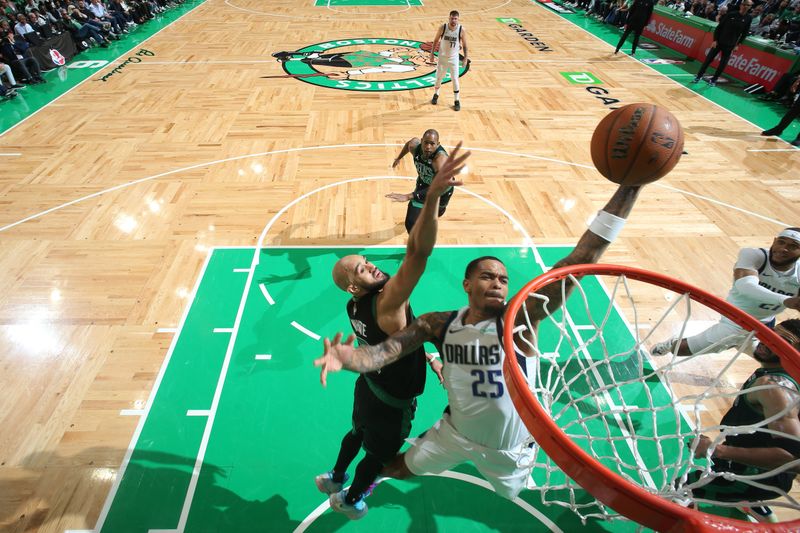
450, 38
385, 400
428, 156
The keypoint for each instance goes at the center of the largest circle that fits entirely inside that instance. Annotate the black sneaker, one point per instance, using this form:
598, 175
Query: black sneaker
435, 99
696, 79
796, 142
770, 132
457, 107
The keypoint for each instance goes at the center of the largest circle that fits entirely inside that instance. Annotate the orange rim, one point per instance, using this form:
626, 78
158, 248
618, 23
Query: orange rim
623, 496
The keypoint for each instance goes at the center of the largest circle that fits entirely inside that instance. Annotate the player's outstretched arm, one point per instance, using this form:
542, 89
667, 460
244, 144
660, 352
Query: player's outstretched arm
408, 147
338, 356
422, 238
776, 402
594, 241
745, 279
400, 196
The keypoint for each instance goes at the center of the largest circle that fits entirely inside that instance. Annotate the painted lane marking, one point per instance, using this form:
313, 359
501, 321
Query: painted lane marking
306, 331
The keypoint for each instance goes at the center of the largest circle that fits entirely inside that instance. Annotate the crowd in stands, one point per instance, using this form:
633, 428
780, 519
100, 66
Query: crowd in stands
776, 20
29, 23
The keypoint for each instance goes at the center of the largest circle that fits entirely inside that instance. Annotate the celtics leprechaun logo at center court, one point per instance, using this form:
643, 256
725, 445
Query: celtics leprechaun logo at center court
368, 65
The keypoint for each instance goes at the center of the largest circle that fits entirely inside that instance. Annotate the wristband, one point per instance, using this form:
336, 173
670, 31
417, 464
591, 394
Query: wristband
606, 225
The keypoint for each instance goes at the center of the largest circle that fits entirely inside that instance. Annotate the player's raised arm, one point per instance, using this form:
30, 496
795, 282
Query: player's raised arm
422, 238
338, 355
594, 241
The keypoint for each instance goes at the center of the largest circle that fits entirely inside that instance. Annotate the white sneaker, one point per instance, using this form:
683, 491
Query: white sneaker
663, 348
353, 512
327, 485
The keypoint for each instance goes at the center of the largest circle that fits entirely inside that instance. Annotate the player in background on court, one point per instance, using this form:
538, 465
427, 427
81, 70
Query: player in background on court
428, 157
385, 400
769, 393
450, 38
480, 423
765, 282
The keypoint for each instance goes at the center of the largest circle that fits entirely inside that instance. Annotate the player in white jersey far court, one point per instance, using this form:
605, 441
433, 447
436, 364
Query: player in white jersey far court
765, 282
451, 37
480, 424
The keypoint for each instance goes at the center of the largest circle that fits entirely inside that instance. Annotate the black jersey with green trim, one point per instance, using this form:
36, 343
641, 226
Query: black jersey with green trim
403, 379
425, 171
742, 413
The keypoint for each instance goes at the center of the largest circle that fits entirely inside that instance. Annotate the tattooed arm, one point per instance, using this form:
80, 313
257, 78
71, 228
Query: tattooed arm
363, 359
589, 249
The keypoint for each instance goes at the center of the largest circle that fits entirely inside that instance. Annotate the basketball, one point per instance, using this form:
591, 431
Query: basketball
637, 144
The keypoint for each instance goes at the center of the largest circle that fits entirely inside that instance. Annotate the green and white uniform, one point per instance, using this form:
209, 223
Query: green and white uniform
425, 174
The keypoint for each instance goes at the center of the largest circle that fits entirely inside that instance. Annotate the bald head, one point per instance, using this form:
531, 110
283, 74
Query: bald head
431, 134
343, 271
357, 276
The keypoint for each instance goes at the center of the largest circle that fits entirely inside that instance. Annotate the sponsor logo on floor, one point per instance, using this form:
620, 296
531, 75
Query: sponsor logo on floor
515, 25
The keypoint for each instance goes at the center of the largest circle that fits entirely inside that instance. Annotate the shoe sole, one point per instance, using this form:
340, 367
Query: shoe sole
322, 489
334, 505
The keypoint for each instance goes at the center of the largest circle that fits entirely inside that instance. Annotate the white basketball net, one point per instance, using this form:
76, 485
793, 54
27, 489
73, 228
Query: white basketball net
635, 412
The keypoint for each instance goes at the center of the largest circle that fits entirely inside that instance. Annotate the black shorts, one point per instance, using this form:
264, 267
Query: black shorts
384, 428
418, 198
415, 207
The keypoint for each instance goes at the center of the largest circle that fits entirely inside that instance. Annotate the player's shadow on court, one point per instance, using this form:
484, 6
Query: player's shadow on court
150, 497
431, 504
722, 133
300, 261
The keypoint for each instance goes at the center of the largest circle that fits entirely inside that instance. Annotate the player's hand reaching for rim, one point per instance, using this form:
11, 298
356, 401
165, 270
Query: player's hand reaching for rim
446, 176
335, 356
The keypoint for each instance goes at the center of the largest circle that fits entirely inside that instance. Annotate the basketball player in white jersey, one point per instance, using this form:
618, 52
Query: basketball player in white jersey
451, 37
480, 424
765, 282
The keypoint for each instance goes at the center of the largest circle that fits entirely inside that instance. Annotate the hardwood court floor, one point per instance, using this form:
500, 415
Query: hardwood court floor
192, 148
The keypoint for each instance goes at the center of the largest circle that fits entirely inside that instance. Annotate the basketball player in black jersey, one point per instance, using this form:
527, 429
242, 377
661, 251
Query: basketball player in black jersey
385, 400
428, 157
481, 426
755, 452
